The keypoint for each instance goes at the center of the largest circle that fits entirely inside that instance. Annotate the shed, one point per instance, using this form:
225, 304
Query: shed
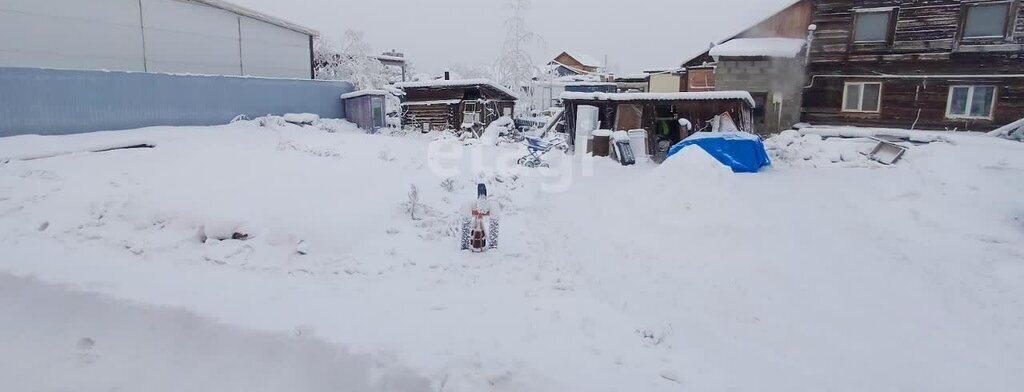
366, 108
659, 114
447, 104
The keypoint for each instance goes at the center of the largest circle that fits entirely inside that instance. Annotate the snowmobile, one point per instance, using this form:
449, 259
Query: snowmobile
480, 226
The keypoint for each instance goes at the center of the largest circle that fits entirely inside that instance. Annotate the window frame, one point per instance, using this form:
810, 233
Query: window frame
375, 103
860, 106
1008, 22
890, 32
970, 99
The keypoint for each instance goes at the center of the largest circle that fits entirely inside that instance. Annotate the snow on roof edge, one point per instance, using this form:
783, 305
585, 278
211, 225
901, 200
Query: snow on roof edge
684, 96
759, 47
583, 58
257, 15
361, 93
456, 83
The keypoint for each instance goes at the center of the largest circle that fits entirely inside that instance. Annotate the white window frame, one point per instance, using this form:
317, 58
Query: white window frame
860, 105
970, 100
1007, 23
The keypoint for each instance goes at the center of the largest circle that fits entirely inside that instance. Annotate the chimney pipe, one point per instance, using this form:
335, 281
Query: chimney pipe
447, 75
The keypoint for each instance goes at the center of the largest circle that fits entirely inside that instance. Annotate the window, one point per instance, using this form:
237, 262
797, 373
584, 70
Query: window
378, 111
470, 113
971, 102
986, 20
862, 97
872, 26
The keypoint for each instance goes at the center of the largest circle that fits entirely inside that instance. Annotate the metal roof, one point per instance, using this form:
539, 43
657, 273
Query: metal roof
250, 13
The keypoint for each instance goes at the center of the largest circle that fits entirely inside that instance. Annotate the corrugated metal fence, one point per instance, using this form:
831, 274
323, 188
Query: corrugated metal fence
57, 102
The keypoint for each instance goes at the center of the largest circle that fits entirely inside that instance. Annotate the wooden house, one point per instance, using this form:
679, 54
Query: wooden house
448, 104
659, 114
566, 64
366, 108
933, 64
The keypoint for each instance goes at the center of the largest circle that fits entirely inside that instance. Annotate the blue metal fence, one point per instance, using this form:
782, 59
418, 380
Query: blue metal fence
57, 102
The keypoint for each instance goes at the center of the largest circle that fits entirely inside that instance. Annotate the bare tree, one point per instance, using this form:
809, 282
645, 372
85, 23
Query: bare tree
515, 68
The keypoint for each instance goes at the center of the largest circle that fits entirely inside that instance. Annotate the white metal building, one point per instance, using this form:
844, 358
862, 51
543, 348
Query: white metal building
172, 36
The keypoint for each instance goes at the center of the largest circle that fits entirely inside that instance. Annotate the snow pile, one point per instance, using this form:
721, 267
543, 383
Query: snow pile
27, 147
792, 148
1012, 131
496, 129
759, 47
333, 257
301, 118
889, 133
63, 343
690, 163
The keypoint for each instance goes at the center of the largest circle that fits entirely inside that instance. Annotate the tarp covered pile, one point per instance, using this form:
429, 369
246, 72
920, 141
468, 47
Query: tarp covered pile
741, 151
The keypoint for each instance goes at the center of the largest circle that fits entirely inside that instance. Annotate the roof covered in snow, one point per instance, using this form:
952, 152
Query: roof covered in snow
686, 96
759, 47
739, 26
250, 13
362, 93
583, 58
456, 83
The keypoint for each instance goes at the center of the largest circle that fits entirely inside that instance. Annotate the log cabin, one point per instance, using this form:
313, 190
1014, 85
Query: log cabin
448, 104
919, 64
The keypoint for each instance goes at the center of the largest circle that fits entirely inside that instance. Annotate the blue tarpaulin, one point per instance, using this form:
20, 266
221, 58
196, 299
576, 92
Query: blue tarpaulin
743, 152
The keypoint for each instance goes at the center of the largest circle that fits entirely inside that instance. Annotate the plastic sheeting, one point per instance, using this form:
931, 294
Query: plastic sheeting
743, 152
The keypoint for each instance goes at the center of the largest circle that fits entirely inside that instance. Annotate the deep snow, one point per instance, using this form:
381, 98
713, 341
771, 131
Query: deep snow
838, 275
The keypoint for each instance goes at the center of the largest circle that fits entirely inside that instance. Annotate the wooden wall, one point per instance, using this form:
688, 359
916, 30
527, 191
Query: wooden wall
567, 60
791, 22
449, 115
925, 42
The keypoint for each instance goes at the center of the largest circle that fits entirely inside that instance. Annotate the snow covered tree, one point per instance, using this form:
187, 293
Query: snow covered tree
350, 60
515, 68
464, 71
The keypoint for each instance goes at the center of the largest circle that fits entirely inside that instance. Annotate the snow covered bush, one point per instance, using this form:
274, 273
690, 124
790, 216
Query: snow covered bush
413, 205
349, 60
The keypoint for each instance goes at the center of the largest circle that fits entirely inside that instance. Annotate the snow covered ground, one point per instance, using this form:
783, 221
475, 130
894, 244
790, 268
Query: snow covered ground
828, 272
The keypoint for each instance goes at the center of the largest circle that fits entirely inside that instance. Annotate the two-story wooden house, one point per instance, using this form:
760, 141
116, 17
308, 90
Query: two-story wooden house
923, 64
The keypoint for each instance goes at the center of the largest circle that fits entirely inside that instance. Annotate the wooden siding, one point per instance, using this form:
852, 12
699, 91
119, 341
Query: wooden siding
700, 79
791, 22
925, 45
567, 60
449, 115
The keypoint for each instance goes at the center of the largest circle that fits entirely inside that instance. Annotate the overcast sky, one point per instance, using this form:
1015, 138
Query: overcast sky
435, 34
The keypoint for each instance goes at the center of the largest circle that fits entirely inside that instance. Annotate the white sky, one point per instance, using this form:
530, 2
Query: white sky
435, 34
